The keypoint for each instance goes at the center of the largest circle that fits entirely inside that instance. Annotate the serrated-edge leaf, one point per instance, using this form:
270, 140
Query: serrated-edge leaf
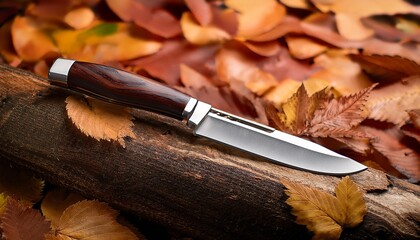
351, 199
21, 222
318, 210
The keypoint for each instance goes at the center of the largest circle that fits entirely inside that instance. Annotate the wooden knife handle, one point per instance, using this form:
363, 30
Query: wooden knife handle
118, 86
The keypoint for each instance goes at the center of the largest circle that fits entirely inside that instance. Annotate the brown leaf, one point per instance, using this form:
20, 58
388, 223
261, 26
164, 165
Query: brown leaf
55, 202
402, 158
3, 202
387, 69
411, 131
392, 102
201, 11
415, 117
100, 120
324, 214
296, 111
303, 47
20, 222
342, 113
351, 27
156, 20
98, 223
256, 17
20, 184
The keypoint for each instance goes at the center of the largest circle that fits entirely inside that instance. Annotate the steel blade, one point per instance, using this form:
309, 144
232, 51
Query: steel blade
274, 145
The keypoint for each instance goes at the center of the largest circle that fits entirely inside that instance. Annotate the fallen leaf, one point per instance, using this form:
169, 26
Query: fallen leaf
201, 35
323, 213
98, 223
302, 4
105, 42
100, 120
411, 131
415, 117
303, 47
351, 27
391, 102
20, 184
154, 19
30, 39
19, 221
386, 69
402, 158
55, 202
351, 199
256, 17
79, 18
266, 49
340, 115
201, 10
7, 50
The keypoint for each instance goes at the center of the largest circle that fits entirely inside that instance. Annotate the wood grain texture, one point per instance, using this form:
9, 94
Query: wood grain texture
167, 176
125, 88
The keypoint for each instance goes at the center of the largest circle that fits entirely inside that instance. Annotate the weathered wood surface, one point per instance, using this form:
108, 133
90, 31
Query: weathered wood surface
167, 176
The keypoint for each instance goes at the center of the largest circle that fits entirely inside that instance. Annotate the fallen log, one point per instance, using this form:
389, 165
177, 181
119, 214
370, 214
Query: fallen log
184, 183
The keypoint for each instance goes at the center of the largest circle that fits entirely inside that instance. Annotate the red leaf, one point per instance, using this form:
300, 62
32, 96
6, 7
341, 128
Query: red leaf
19, 222
201, 11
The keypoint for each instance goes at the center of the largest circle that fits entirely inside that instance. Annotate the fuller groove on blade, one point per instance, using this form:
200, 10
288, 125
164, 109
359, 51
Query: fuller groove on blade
274, 145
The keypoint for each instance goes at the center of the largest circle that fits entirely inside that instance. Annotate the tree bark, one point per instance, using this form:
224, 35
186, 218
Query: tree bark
170, 177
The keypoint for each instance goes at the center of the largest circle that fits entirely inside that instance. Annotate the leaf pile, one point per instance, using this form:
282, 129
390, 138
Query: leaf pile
250, 58
324, 214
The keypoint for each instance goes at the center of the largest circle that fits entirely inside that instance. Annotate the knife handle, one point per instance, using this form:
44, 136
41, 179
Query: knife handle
121, 87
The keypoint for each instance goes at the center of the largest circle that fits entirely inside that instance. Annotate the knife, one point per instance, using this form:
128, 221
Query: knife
121, 87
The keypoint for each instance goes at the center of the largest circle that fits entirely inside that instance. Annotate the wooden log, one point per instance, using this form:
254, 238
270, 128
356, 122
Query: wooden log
170, 177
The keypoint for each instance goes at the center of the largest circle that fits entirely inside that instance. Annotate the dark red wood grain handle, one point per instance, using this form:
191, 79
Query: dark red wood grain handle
118, 86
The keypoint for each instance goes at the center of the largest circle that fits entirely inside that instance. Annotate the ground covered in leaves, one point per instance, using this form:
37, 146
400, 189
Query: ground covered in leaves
344, 74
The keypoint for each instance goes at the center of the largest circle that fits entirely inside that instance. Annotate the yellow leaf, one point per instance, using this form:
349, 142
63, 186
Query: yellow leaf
30, 39
351, 199
318, 210
55, 202
90, 220
105, 42
323, 213
257, 17
100, 120
303, 47
201, 35
3, 201
350, 27
20, 184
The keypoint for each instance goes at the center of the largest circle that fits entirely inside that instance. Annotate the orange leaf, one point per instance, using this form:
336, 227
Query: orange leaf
100, 120
201, 11
21, 222
79, 18
303, 47
201, 35
256, 17
98, 223
351, 27
30, 39
390, 103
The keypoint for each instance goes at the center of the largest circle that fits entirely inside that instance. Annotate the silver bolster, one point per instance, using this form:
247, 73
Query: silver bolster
189, 108
59, 71
200, 112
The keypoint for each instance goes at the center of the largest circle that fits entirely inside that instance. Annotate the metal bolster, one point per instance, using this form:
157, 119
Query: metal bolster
188, 110
200, 112
59, 71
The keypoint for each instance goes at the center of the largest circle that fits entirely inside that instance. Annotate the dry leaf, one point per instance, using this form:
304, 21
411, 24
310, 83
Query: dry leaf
79, 18
343, 114
98, 223
266, 49
55, 202
20, 184
390, 103
351, 27
302, 4
411, 131
256, 17
100, 120
415, 117
20, 222
323, 213
30, 39
201, 11
201, 35
105, 42
303, 47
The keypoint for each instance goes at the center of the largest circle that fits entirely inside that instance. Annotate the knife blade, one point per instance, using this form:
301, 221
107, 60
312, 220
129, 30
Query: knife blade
121, 87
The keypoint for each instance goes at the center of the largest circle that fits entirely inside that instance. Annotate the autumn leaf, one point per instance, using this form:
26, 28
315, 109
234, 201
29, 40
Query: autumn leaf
21, 222
55, 202
98, 223
100, 120
303, 47
20, 184
324, 214
79, 18
390, 103
415, 117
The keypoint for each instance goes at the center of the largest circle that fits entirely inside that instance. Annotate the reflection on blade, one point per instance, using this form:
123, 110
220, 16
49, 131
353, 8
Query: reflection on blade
274, 145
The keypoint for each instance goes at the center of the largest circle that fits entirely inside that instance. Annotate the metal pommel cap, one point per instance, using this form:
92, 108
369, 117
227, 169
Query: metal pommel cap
59, 71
